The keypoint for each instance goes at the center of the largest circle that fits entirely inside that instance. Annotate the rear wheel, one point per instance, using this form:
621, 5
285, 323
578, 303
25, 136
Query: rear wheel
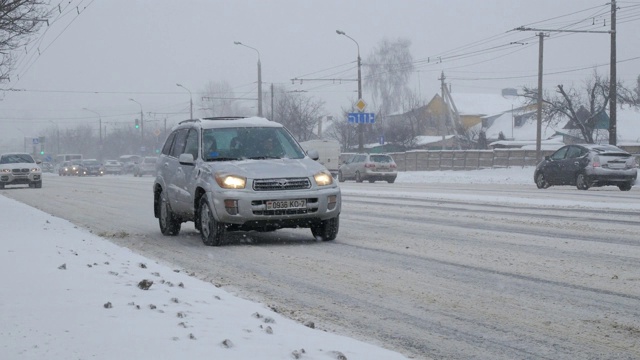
391, 181
582, 183
541, 181
358, 177
211, 231
340, 177
169, 223
326, 230
625, 186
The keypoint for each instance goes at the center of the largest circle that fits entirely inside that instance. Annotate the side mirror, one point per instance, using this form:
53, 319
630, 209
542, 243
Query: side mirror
186, 159
313, 154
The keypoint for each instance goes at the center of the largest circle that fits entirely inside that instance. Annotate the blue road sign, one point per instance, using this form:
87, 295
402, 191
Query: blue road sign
35, 141
361, 118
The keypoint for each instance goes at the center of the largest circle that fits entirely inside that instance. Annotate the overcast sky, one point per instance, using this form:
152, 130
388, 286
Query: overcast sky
97, 54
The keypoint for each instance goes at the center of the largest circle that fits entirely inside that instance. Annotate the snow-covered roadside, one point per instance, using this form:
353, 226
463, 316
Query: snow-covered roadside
68, 294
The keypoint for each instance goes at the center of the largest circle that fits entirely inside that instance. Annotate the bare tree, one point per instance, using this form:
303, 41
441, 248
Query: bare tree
19, 21
298, 113
219, 100
388, 70
582, 107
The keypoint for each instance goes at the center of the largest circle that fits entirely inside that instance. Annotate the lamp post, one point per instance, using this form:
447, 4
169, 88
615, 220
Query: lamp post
141, 120
57, 136
360, 125
190, 101
259, 76
99, 128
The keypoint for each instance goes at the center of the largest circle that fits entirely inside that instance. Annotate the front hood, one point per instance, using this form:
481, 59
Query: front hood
19, 166
272, 168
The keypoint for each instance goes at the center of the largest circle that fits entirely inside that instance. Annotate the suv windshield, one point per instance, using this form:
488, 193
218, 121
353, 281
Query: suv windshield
249, 143
16, 159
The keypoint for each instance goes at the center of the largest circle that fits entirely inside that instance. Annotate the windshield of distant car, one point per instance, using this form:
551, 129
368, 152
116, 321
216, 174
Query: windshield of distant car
90, 162
257, 143
16, 159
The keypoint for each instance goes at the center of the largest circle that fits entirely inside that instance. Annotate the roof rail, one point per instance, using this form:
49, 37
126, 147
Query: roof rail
190, 120
224, 118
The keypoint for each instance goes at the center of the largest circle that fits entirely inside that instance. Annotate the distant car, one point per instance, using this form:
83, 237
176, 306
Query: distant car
146, 167
587, 165
70, 168
20, 169
47, 167
369, 167
91, 167
113, 167
129, 162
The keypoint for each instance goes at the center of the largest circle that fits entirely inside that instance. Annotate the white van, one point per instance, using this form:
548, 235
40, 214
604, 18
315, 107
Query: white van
329, 151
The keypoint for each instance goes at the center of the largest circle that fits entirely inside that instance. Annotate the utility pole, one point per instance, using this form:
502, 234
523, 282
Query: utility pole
360, 125
539, 99
272, 95
613, 89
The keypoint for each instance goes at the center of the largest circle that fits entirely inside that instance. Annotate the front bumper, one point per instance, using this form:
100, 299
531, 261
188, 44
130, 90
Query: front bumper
247, 207
20, 178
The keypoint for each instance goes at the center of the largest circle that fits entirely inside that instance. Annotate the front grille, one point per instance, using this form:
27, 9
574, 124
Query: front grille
281, 184
20, 171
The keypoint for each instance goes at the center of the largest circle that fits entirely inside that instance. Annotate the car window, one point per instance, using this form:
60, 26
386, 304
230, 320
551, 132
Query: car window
179, 143
381, 158
191, 146
249, 143
16, 158
574, 152
166, 149
560, 154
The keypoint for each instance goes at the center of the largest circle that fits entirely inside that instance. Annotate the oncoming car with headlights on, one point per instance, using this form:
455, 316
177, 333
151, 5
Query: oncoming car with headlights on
242, 174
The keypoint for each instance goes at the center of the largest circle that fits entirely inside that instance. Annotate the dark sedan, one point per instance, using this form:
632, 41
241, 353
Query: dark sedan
587, 165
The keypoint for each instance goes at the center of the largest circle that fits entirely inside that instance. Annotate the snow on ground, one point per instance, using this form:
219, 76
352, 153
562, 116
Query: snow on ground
69, 294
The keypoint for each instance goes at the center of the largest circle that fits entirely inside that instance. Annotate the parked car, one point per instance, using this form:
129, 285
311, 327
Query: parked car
146, 167
113, 167
20, 169
91, 167
587, 165
370, 167
230, 174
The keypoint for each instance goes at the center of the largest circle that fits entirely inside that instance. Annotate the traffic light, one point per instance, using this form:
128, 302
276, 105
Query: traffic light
41, 149
137, 124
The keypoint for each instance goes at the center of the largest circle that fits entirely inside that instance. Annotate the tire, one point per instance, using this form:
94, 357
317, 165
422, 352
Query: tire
340, 177
358, 177
326, 230
582, 182
1, 185
541, 182
625, 186
38, 184
371, 181
391, 181
211, 231
169, 223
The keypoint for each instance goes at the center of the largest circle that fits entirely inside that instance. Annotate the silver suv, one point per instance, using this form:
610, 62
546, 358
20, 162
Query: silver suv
20, 168
229, 174
370, 167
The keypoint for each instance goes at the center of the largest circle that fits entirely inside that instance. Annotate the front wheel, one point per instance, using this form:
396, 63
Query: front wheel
625, 186
211, 231
169, 223
326, 230
582, 183
541, 181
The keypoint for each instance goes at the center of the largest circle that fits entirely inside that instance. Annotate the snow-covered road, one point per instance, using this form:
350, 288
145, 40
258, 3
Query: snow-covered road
492, 269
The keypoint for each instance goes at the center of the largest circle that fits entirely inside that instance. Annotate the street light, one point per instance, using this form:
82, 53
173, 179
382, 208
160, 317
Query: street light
99, 126
190, 101
360, 125
259, 76
141, 119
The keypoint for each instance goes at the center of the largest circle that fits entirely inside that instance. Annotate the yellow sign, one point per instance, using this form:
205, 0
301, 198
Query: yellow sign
361, 105
157, 132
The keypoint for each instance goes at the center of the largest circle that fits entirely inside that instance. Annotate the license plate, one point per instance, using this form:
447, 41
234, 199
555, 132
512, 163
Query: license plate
286, 204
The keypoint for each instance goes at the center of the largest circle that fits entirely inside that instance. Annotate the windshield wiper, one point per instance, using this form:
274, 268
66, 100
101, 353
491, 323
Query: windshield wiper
264, 157
223, 159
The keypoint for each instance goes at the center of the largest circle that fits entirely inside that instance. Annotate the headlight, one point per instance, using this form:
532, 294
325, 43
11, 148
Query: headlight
6, 170
323, 179
35, 170
231, 181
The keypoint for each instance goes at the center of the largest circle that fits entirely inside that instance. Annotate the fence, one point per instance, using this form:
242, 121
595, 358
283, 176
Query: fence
421, 160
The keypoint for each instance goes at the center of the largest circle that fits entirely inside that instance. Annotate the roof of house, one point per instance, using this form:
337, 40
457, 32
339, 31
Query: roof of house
485, 104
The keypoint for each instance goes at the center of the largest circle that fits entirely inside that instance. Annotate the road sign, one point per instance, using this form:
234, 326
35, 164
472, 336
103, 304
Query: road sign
157, 132
361, 105
35, 141
361, 118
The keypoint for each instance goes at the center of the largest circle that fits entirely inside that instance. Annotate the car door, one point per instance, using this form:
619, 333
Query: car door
184, 180
571, 165
553, 167
171, 166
